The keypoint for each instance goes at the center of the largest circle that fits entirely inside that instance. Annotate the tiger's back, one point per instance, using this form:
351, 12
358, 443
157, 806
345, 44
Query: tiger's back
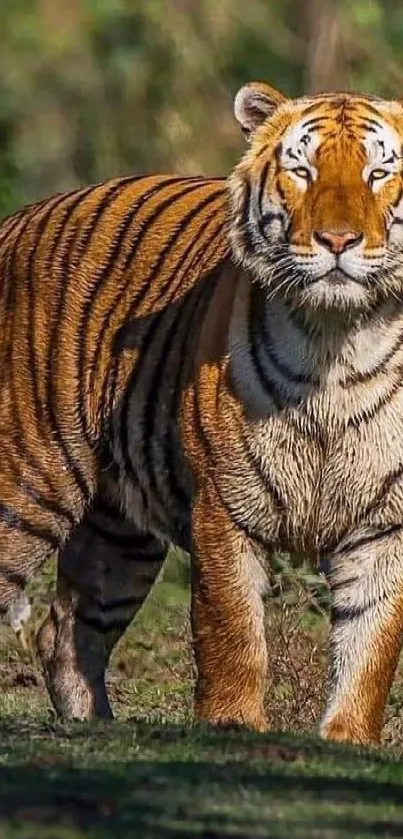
93, 281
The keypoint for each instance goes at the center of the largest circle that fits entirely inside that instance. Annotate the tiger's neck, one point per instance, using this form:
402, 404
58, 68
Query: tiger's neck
282, 359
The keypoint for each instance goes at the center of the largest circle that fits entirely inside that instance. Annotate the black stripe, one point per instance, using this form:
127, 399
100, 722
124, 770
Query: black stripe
159, 382
265, 382
14, 521
78, 198
269, 217
114, 257
101, 626
278, 171
350, 545
7, 248
185, 350
135, 542
365, 103
388, 483
365, 417
13, 578
341, 614
7, 293
256, 467
156, 321
11, 337
283, 369
124, 443
313, 121
266, 545
83, 244
245, 229
361, 378
262, 187
76, 471
373, 122
156, 394
119, 603
185, 222
31, 336
111, 380
261, 151
27, 458
341, 585
144, 288
366, 125
8, 232
399, 197
266, 218
46, 504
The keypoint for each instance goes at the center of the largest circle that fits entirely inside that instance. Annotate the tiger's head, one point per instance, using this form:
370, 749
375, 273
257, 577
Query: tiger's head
317, 201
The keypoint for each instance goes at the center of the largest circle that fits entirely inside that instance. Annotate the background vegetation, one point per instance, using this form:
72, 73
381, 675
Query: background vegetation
91, 89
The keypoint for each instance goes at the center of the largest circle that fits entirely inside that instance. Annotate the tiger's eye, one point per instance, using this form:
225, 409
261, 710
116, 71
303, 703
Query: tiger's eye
378, 174
302, 172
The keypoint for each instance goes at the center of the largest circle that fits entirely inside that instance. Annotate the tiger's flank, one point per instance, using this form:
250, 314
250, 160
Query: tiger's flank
216, 364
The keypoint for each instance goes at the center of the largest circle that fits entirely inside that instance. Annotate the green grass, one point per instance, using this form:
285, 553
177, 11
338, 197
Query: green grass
152, 773
138, 780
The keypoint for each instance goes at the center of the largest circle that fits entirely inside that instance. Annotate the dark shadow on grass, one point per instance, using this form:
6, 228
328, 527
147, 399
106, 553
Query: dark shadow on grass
233, 785
181, 799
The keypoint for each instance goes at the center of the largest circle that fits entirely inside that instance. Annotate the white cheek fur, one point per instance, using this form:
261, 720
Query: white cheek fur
383, 152
298, 151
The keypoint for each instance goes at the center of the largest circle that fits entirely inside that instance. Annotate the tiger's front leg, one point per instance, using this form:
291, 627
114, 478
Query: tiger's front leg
366, 579
227, 619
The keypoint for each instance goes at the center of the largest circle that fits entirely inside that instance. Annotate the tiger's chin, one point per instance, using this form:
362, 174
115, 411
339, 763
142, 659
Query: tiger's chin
335, 291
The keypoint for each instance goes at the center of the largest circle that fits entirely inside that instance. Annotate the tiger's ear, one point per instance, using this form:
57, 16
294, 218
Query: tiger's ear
253, 103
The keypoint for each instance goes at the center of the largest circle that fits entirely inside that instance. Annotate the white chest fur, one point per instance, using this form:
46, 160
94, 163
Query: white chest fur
325, 424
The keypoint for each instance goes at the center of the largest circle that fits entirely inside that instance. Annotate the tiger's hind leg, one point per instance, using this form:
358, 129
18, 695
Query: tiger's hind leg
104, 574
23, 549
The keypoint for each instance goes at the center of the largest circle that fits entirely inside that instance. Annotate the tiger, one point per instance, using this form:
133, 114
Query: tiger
214, 363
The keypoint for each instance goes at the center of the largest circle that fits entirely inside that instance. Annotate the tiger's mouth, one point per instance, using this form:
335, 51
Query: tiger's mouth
338, 277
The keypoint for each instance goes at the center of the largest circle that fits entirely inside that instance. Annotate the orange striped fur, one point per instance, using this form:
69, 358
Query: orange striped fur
215, 364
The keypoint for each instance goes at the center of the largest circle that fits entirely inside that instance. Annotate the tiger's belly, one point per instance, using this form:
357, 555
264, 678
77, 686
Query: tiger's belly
303, 488
156, 492
321, 487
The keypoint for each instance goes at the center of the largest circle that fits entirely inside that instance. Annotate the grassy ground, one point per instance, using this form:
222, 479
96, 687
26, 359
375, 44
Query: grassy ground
152, 774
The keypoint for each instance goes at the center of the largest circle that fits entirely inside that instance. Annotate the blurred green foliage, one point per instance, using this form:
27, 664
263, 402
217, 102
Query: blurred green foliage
90, 89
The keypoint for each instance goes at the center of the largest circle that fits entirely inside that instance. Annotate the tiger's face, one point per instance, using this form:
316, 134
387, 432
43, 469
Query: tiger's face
317, 201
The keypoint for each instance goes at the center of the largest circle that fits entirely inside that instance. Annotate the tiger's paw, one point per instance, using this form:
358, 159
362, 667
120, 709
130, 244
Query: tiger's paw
345, 728
74, 695
236, 721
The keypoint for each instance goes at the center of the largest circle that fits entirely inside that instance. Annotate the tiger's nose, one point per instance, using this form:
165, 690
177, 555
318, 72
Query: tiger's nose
337, 241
